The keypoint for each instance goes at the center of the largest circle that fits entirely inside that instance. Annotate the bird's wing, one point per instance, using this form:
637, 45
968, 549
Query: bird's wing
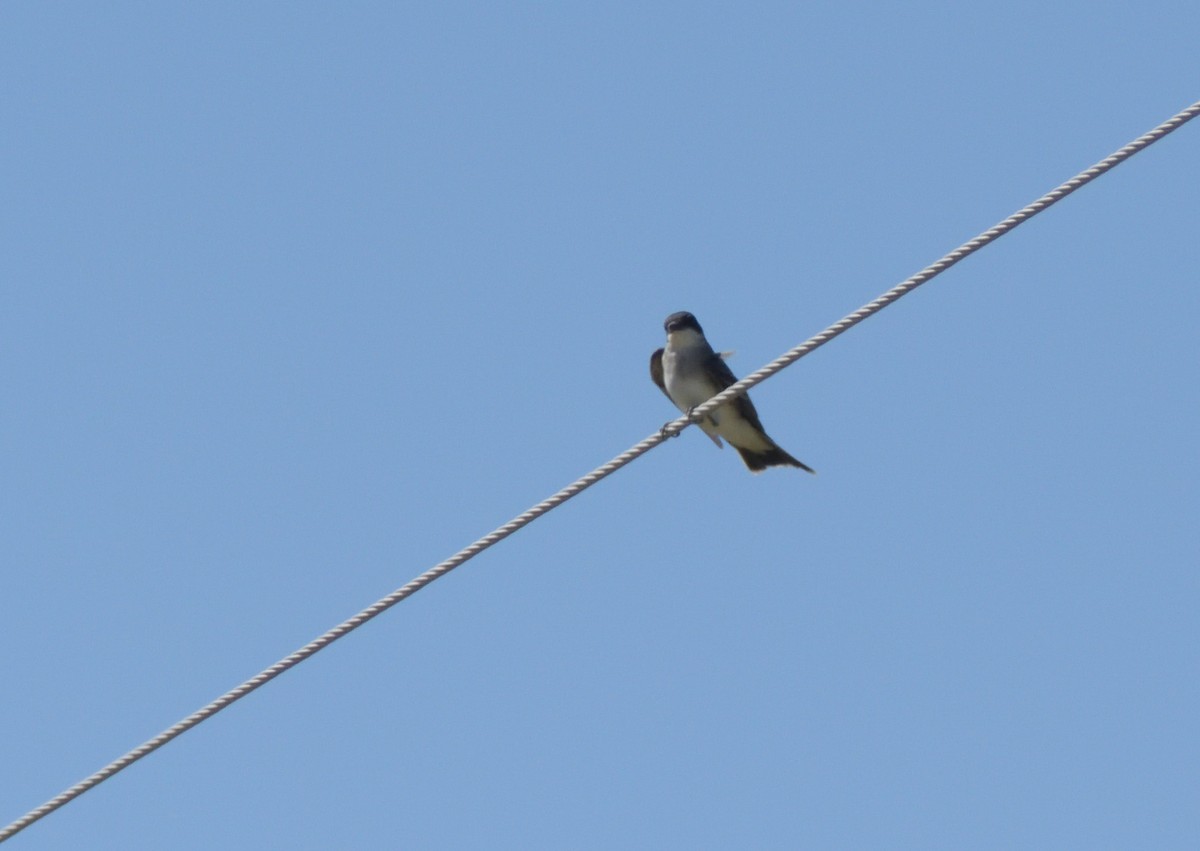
741, 404
656, 372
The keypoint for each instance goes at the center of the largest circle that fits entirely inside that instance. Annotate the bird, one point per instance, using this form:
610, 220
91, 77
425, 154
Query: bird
689, 372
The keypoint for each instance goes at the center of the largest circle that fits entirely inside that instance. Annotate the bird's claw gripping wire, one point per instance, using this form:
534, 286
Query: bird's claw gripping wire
664, 434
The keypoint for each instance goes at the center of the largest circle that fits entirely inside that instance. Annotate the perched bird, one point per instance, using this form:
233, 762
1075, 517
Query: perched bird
690, 372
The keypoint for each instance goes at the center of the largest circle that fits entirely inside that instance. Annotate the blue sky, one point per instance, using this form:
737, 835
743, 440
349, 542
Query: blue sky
299, 299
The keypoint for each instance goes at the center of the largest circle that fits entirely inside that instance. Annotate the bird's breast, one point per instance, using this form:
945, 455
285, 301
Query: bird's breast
687, 382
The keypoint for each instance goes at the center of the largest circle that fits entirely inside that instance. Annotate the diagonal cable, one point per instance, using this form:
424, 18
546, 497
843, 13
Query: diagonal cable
908, 285
582, 484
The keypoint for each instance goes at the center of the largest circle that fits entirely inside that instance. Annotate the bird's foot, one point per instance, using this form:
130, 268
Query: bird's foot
663, 431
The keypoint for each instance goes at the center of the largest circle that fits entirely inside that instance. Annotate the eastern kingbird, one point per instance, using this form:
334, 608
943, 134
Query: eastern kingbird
690, 372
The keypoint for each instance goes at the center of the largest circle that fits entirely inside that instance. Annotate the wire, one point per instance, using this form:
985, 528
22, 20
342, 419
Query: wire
582, 484
929, 272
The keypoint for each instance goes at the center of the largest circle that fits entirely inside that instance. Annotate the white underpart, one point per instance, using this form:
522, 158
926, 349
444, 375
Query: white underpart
688, 385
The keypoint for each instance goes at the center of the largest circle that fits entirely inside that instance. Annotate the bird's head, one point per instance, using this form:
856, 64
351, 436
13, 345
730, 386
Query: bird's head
683, 330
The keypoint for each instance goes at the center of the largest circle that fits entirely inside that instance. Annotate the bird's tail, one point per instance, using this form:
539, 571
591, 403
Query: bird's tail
773, 457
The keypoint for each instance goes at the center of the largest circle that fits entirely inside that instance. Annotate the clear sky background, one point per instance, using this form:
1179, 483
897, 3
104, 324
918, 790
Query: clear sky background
299, 299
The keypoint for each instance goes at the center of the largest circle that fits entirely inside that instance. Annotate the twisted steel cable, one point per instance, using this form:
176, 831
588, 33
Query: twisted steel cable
583, 483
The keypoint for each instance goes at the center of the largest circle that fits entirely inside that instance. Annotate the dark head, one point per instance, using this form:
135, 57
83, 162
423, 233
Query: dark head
679, 321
